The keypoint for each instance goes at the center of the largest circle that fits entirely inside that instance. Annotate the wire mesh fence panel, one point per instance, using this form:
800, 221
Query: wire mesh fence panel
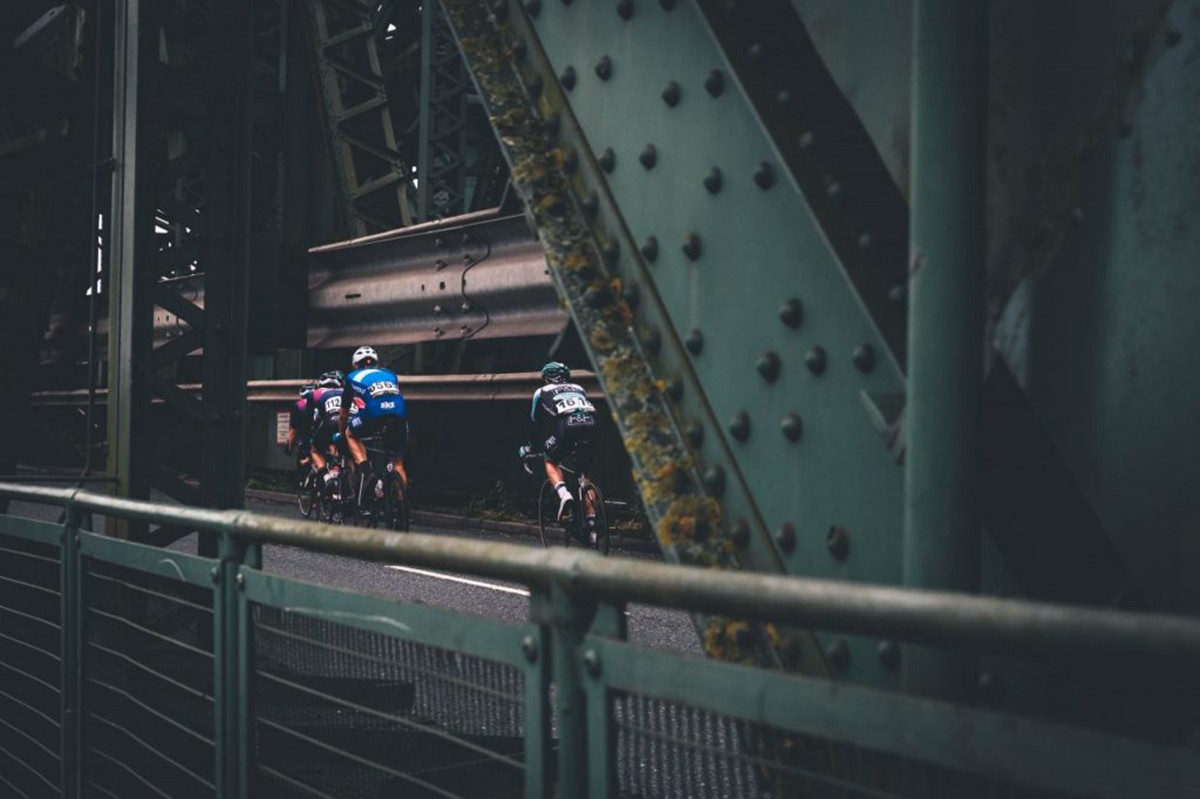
671, 750
30, 652
148, 684
343, 711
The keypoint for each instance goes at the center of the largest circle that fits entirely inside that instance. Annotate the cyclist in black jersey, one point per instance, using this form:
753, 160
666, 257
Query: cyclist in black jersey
300, 424
324, 404
563, 429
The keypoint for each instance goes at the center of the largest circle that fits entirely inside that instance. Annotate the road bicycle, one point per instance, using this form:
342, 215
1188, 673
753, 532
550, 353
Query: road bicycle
574, 529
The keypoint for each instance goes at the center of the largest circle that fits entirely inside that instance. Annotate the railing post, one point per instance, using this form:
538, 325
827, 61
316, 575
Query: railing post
231, 716
601, 720
567, 617
71, 658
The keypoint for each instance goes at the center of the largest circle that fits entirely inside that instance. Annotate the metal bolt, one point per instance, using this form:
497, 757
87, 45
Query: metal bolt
768, 365
649, 156
714, 480
534, 7
604, 68
652, 338
897, 294
837, 541
519, 49
668, 5
755, 50
1076, 216
865, 240
607, 159
740, 533
553, 122
691, 246
889, 655
739, 426
215, 574
783, 99
712, 181
864, 358
764, 176
838, 655
591, 204
807, 140
834, 190
241, 581
791, 313
815, 360
500, 9
591, 662
530, 648
597, 297
695, 433
785, 537
990, 687
534, 85
650, 249
611, 251
671, 94
715, 82
792, 427
694, 341
1174, 37
632, 294
570, 160
567, 78
675, 388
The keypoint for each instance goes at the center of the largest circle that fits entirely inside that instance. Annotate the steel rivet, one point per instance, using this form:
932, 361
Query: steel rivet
570, 161
567, 78
785, 537
241, 581
768, 366
990, 687
530, 648
834, 190
649, 156
755, 50
607, 160
694, 341
591, 204
597, 297
815, 360
611, 251
591, 662
650, 249
897, 294
865, 240
535, 86
1174, 37
675, 388
838, 655
713, 180
631, 294
652, 338
604, 68
519, 49
864, 358
740, 533
500, 9
837, 541
714, 480
695, 433
534, 7
783, 98
792, 427
215, 574
889, 654
625, 9
715, 83
668, 5
791, 313
566, 2
807, 139
764, 176
671, 94
1076, 216
739, 426
691, 246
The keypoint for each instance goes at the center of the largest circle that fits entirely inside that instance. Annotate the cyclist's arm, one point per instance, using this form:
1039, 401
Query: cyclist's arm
344, 411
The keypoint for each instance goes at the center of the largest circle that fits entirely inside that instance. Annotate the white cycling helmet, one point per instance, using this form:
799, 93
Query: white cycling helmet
361, 354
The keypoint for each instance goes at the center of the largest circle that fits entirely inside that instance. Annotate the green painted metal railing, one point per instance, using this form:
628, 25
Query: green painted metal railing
127, 669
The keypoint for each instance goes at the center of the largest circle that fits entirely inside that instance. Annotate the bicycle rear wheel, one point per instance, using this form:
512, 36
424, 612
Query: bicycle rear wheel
592, 493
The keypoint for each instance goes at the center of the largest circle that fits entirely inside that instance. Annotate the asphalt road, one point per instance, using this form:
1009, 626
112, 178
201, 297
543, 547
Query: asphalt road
648, 626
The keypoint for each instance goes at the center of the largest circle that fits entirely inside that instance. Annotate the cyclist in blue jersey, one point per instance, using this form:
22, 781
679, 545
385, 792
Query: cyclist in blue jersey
373, 405
563, 429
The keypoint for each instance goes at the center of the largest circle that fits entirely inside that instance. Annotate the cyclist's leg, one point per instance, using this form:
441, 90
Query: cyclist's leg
395, 440
359, 428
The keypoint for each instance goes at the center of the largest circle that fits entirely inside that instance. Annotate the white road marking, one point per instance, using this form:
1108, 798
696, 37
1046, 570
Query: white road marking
463, 580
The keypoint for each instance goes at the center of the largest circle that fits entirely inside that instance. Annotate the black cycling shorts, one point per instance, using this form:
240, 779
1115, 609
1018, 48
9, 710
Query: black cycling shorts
323, 434
391, 430
573, 442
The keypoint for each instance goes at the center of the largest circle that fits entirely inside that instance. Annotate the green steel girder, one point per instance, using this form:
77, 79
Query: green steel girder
765, 369
703, 515
441, 162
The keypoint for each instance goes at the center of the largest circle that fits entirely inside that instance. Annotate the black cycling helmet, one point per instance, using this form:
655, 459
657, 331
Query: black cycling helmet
555, 372
334, 379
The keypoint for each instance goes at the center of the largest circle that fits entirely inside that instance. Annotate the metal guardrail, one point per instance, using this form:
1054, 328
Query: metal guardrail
288, 686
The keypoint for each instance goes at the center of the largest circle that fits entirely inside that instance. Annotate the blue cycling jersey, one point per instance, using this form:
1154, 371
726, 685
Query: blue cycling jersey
373, 393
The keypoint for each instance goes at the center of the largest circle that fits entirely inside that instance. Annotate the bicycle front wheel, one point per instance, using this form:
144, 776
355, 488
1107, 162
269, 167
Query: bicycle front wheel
304, 495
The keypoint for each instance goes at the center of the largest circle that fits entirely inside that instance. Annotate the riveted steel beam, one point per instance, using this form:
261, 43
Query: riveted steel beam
702, 510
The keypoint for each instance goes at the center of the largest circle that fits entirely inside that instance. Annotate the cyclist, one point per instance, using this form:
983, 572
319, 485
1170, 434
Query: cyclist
325, 403
563, 429
300, 425
373, 405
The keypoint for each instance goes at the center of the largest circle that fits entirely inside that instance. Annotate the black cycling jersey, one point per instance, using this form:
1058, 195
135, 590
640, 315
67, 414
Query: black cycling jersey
563, 423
